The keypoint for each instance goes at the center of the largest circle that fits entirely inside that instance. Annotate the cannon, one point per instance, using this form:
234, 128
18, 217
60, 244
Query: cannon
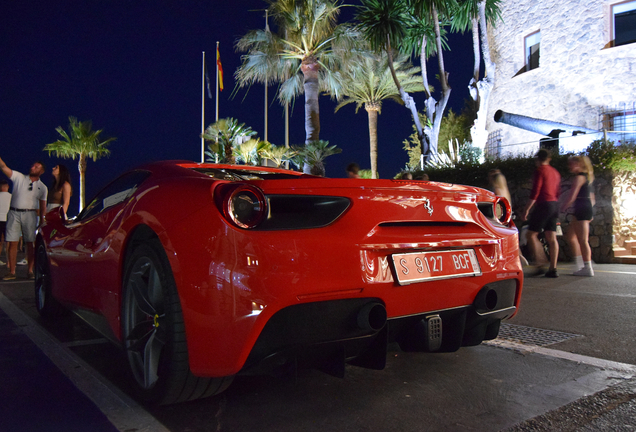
548, 128
543, 127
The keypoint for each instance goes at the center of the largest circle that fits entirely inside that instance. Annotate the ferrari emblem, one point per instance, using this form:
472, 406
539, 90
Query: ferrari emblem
428, 206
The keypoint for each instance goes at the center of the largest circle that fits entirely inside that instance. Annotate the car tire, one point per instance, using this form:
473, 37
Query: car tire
47, 306
153, 332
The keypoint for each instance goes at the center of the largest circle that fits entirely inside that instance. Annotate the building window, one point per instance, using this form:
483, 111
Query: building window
532, 43
493, 145
620, 121
625, 126
624, 23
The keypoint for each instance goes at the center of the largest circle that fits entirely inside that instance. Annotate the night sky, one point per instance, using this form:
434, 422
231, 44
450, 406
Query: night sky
133, 67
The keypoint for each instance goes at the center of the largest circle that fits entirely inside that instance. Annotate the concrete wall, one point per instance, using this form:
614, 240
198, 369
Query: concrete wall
578, 74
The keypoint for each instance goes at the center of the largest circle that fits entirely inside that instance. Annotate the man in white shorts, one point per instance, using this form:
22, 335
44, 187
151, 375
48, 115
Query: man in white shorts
28, 201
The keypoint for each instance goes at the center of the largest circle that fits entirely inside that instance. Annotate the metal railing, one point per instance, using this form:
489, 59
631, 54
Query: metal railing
620, 119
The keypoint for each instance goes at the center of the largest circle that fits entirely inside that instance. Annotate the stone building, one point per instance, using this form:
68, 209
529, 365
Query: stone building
566, 61
573, 63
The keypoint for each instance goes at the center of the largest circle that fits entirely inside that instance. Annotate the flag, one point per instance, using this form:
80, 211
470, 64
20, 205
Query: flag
207, 82
219, 68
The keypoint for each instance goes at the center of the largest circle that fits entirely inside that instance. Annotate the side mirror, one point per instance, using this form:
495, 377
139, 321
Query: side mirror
55, 216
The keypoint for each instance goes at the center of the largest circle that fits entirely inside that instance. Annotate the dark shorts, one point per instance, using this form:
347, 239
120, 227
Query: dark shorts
544, 216
583, 210
3, 227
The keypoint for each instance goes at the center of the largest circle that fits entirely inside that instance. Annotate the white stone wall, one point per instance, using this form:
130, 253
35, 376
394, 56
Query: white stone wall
578, 72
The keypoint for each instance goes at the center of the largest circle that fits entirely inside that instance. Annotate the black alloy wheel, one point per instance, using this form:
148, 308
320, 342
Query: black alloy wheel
153, 331
46, 305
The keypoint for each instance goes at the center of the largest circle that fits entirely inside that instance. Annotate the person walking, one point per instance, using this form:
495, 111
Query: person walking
582, 196
27, 202
5, 203
546, 188
499, 186
61, 190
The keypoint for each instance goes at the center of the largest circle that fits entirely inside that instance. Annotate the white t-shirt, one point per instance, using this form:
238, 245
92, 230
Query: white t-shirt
22, 197
5, 202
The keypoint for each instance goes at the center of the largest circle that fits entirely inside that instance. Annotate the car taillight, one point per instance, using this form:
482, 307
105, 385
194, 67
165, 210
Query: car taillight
503, 211
245, 206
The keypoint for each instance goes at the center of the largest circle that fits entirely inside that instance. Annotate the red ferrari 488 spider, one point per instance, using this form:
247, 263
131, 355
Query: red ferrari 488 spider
201, 272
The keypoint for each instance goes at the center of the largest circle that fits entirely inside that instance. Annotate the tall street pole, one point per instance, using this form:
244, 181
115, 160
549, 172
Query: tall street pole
203, 108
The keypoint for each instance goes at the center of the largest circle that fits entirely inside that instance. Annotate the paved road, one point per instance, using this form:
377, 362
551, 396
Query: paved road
567, 361
602, 309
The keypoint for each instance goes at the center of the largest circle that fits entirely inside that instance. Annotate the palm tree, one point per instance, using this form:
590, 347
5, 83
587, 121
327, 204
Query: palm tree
314, 154
477, 15
412, 26
227, 133
83, 142
214, 153
433, 13
299, 56
368, 81
251, 151
279, 154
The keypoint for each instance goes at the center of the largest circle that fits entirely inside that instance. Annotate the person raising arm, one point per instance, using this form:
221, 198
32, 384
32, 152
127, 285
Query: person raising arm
27, 201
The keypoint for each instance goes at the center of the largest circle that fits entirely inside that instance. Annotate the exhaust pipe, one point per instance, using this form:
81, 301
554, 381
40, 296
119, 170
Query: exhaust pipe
487, 300
372, 317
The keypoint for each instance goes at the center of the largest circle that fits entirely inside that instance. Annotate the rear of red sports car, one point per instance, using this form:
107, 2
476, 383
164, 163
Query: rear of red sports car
210, 271
327, 271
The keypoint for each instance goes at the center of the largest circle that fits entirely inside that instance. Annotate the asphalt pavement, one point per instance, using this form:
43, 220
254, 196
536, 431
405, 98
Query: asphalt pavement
572, 348
36, 395
44, 385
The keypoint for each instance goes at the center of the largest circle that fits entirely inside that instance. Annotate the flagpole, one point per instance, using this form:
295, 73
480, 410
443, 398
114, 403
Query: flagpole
217, 84
203, 108
266, 112
287, 124
267, 30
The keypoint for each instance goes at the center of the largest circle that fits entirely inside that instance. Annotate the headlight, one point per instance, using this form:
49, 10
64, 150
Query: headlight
245, 207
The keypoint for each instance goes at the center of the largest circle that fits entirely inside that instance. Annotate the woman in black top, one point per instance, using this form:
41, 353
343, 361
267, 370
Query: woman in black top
582, 196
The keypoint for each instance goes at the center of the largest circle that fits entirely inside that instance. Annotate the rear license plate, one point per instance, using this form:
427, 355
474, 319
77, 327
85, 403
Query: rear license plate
426, 266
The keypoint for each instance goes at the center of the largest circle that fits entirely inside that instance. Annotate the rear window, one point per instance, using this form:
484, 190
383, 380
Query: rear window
243, 175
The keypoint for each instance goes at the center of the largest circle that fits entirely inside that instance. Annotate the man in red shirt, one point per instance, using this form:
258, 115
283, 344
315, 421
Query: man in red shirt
546, 188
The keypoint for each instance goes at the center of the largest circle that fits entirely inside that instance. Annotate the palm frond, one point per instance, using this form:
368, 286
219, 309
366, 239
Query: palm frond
316, 151
251, 151
227, 133
467, 10
80, 141
368, 79
384, 20
279, 154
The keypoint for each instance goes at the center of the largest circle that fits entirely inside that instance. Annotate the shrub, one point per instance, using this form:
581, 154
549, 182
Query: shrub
607, 156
